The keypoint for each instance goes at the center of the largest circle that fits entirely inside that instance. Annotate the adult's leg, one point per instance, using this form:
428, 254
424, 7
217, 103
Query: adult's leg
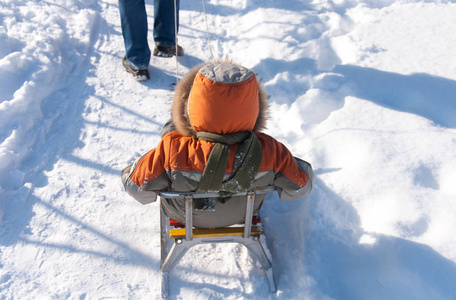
164, 33
133, 19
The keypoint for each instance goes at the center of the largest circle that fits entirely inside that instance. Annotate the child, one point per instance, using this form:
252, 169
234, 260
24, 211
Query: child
215, 143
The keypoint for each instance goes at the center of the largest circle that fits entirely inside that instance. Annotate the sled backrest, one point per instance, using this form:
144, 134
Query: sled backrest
189, 232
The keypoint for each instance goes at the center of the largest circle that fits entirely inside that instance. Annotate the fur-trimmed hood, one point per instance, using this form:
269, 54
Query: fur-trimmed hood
219, 97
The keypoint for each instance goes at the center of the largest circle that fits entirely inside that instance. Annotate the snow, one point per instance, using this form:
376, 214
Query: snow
364, 90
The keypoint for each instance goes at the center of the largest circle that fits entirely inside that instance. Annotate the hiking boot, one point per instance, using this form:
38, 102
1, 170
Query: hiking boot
163, 51
140, 75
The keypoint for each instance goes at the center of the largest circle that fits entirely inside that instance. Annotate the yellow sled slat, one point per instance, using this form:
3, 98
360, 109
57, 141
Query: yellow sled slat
179, 233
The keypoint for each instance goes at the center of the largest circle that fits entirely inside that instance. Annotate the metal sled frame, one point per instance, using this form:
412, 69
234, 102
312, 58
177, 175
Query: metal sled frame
185, 238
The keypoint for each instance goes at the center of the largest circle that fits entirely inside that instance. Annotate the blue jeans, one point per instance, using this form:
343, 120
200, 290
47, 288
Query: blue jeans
133, 18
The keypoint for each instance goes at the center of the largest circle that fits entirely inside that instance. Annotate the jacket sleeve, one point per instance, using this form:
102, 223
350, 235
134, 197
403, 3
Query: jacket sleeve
293, 177
147, 176
291, 189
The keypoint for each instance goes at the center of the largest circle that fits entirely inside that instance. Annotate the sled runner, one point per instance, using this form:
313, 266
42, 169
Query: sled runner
186, 236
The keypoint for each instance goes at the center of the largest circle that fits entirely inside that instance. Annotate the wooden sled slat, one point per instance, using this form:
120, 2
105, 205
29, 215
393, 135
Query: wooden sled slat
179, 233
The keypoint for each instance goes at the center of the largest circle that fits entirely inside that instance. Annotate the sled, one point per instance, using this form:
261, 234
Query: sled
186, 236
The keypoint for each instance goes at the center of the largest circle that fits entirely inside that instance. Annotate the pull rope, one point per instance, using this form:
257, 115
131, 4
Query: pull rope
207, 31
175, 39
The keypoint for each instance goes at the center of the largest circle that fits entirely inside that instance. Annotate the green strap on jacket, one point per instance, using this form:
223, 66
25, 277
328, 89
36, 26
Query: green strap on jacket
246, 165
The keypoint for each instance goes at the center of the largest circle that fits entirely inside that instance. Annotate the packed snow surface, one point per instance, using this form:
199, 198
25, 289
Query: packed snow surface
363, 90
